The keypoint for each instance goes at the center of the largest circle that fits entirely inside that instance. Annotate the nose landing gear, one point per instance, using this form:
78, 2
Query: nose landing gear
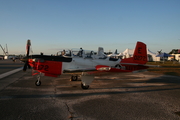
38, 82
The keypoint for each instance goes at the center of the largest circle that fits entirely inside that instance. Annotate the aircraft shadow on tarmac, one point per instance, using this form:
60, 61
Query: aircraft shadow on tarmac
164, 79
171, 83
80, 94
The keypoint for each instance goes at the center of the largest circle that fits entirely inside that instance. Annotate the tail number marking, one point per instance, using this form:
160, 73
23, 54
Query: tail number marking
138, 57
43, 67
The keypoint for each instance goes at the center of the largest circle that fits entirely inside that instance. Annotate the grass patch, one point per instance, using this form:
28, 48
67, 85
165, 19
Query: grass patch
166, 68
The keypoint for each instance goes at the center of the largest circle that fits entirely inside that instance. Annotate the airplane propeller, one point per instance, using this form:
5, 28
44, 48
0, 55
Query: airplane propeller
27, 56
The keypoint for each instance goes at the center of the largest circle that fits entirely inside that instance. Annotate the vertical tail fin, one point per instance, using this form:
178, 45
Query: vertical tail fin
140, 53
139, 56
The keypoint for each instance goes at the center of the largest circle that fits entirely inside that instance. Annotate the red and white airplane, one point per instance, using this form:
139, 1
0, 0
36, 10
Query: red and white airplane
84, 63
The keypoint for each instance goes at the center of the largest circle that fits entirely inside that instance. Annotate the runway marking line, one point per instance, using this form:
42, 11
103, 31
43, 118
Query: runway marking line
10, 72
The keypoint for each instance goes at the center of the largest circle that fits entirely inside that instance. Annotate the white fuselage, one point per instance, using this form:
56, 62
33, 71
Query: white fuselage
84, 59
83, 63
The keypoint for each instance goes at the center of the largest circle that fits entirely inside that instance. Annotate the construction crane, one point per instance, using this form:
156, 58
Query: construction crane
5, 52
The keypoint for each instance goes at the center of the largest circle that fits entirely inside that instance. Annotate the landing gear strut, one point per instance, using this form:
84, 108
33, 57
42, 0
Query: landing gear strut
38, 82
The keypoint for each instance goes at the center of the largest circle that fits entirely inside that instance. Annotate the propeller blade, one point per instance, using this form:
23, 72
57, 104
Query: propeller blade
28, 47
29, 66
26, 64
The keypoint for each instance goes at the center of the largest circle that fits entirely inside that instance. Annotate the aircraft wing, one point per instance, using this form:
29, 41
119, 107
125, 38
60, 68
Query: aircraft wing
109, 69
104, 68
79, 70
140, 64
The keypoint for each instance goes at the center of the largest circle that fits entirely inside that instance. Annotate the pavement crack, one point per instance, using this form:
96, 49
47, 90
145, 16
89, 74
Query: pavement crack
55, 89
71, 113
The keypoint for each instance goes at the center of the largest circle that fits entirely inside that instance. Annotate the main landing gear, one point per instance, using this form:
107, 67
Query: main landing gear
86, 80
83, 83
84, 86
74, 78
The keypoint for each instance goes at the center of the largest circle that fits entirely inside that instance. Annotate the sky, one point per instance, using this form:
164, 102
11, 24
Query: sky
52, 25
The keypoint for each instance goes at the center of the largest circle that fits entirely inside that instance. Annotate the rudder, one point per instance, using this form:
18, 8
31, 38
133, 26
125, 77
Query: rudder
140, 53
139, 56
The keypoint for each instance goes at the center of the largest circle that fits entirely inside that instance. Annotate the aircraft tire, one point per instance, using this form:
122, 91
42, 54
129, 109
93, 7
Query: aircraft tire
84, 87
38, 83
74, 78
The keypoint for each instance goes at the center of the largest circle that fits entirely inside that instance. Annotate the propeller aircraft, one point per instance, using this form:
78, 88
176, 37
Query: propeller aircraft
85, 64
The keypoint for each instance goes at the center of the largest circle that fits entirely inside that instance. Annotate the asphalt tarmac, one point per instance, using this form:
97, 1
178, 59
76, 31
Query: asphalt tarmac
123, 96
8, 65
